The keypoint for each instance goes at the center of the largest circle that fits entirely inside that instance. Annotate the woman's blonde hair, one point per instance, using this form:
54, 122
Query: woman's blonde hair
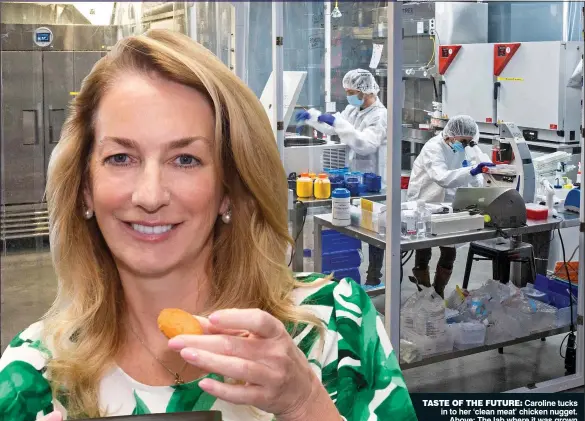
83, 327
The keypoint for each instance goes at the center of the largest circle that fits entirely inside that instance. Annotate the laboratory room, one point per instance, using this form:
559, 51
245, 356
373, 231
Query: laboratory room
412, 170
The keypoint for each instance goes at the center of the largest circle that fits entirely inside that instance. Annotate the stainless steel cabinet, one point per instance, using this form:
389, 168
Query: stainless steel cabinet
63, 72
22, 148
38, 86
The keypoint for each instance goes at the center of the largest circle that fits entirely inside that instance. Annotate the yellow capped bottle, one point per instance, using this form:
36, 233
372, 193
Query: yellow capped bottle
304, 186
322, 187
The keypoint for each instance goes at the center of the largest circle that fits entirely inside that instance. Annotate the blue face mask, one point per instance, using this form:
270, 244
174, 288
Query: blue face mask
355, 101
457, 147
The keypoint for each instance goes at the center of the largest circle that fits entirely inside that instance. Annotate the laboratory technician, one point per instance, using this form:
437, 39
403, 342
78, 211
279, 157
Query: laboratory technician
449, 160
361, 126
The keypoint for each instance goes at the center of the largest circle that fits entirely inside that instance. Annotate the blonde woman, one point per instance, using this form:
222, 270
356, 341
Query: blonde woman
166, 190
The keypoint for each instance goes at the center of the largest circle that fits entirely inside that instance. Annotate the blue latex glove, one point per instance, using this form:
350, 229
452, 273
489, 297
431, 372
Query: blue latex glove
479, 167
302, 116
326, 118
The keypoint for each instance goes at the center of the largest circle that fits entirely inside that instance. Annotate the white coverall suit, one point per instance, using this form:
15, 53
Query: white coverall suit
364, 131
437, 172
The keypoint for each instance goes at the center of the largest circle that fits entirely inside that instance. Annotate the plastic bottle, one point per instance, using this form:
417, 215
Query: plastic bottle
579, 177
322, 187
304, 186
353, 185
341, 208
423, 221
408, 228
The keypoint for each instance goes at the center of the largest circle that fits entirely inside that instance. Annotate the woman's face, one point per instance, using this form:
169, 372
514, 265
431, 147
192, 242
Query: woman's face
153, 183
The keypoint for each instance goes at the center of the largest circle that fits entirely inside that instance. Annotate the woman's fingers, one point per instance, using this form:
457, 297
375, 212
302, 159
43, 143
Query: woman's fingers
236, 394
253, 320
210, 329
233, 367
53, 416
233, 346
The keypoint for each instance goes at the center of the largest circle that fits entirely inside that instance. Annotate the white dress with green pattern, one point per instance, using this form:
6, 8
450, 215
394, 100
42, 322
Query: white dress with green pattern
357, 366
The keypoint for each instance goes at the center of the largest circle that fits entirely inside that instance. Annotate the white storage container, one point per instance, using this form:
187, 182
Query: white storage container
430, 345
468, 335
456, 222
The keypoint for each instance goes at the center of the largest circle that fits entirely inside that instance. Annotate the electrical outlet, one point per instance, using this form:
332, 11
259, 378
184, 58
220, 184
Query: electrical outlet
432, 27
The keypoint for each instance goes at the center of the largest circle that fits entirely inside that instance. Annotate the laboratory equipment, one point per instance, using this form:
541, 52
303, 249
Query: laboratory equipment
536, 212
373, 182
354, 174
423, 222
322, 187
549, 194
304, 186
526, 181
551, 168
340, 207
372, 216
292, 86
502, 175
315, 157
353, 185
548, 164
573, 201
408, 223
521, 82
504, 207
449, 223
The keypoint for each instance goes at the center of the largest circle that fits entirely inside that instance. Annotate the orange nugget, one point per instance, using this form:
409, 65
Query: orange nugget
174, 321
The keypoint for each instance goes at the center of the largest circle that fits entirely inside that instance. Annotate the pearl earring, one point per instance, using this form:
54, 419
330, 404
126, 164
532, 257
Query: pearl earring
88, 214
227, 217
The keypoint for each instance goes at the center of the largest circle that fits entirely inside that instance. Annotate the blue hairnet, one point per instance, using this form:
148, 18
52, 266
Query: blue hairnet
361, 80
461, 125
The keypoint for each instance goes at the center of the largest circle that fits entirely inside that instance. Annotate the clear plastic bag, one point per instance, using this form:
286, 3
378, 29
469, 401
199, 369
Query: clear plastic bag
424, 313
533, 315
501, 328
409, 351
427, 345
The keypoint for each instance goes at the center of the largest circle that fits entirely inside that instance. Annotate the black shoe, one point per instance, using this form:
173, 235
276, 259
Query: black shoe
373, 282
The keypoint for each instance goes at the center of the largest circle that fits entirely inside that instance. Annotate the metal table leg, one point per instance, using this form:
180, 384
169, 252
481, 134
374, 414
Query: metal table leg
297, 226
317, 229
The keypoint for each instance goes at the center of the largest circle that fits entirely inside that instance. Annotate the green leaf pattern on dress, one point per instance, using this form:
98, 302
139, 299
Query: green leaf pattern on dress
190, 397
24, 392
356, 363
140, 408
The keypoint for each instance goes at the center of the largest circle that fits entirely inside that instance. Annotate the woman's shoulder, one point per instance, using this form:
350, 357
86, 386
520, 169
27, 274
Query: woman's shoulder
318, 291
29, 347
22, 373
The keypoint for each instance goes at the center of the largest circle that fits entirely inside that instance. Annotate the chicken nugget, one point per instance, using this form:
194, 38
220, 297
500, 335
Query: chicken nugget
174, 321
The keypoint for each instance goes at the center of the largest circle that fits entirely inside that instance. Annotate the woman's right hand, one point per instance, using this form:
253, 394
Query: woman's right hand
209, 329
53, 416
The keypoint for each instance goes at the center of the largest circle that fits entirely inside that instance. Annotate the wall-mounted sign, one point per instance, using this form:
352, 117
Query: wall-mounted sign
43, 37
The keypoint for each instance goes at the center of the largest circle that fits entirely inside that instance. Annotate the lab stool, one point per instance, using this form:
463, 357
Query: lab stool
502, 252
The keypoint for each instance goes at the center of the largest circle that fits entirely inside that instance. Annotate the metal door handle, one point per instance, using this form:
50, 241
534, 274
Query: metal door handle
30, 120
51, 136
496, 90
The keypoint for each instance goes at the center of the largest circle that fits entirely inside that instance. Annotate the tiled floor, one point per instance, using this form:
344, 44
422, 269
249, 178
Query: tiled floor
29, 286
